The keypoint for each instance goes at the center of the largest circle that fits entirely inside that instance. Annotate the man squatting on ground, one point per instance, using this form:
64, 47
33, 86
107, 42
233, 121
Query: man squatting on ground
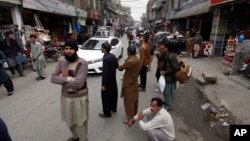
160, 125
71, 73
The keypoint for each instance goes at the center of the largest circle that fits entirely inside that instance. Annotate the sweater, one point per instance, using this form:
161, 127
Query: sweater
74, 84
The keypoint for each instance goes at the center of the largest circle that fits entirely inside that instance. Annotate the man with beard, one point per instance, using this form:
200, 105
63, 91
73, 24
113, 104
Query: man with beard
71, 73
11, 48
109, 90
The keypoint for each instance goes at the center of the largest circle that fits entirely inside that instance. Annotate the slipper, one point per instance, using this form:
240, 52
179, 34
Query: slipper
125, 122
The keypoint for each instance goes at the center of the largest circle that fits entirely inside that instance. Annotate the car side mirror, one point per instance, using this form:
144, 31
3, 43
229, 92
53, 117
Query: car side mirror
113, 47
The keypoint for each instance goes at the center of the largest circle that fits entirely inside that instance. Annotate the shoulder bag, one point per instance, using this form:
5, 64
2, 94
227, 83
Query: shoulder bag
185, 72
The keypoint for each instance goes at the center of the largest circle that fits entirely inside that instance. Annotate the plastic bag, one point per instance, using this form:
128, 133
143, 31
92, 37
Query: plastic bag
5, 65
161, 83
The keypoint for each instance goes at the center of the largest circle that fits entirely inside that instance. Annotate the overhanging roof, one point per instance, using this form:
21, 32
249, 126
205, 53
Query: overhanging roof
194, 10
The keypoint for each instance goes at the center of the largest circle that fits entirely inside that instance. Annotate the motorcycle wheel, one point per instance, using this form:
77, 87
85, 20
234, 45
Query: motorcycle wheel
56, 56
247, 71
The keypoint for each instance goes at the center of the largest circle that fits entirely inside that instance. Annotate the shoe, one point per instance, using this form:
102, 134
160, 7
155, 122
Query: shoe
73, 139
157, 90
10, 93
12, 72
141, 89
125, 121
22, 75
40, 78
104, 116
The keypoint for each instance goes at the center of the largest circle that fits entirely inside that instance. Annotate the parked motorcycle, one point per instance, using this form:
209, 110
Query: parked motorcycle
58, 46
51, 53
245, 69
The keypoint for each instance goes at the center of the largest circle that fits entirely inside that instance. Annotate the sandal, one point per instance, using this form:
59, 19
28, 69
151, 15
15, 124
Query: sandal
125, 121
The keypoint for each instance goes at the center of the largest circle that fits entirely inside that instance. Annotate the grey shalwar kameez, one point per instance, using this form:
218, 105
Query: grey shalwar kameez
37, 54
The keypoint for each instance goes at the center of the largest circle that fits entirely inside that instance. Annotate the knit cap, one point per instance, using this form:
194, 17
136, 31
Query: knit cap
72, 43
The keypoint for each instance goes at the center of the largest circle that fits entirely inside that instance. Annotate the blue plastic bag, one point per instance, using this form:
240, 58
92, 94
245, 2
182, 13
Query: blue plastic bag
241, 38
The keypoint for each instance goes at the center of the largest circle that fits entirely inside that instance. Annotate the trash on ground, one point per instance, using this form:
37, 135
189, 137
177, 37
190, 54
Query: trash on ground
205, 106
224, 124
212, 124
213, 110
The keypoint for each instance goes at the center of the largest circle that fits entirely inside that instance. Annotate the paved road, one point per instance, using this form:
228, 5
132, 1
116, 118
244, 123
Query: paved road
33, 112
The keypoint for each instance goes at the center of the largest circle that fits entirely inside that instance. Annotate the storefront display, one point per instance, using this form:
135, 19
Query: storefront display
229, 52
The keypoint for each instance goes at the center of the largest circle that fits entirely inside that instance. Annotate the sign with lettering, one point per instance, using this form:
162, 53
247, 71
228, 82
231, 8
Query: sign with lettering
239, 132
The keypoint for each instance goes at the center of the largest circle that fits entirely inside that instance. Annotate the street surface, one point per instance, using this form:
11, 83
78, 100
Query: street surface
33, 112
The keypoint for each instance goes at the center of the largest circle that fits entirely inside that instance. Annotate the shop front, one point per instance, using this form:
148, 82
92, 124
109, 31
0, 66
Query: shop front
231, 18
81, 16
93, 20
9, 15
52, 16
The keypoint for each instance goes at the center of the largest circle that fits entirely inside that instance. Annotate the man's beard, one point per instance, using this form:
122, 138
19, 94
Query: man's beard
71, 58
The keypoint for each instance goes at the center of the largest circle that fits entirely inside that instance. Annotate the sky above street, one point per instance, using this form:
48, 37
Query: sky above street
137, 7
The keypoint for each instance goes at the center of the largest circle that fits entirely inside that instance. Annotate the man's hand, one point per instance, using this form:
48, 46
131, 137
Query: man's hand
163, 72
103, 88
140, 116
33, 59
64, 72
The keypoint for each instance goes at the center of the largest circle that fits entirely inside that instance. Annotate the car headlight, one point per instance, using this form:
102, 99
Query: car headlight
95, 61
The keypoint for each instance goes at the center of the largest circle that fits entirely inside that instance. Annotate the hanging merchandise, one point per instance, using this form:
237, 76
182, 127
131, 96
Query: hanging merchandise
70, 28
78, 28
241, 38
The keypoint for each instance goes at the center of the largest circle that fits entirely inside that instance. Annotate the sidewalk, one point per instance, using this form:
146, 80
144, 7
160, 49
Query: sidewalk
231, 91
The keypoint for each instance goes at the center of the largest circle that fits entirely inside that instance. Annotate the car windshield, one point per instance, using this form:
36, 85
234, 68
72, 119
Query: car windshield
93, 44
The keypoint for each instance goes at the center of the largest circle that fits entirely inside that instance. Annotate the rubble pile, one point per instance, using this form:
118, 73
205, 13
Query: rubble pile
206, 78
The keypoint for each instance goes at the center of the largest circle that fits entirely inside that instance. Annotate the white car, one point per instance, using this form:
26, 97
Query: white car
91, 51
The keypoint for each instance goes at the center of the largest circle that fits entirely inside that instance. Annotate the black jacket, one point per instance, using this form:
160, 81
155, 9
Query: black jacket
11, 49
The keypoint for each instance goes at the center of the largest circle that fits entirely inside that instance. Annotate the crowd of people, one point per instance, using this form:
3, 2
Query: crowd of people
71, 73
12, 55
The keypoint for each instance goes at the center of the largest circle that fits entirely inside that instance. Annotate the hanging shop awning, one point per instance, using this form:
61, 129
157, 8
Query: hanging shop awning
216, 2
50, 6
194, 10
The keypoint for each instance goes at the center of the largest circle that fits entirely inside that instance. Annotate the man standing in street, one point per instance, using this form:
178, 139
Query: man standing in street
109, 89
71, 73
4, 133
129, 91
18, 35
11, 48
37, 57
160, 125
197, 44
4, 77
144, 61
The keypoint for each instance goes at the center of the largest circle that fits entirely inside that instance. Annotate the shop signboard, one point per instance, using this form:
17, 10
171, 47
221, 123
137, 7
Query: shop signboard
50, 6
191, 3
81, 13
216, 2
12, 1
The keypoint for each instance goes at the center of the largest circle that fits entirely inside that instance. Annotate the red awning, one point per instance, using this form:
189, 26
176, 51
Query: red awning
93, 14
216, 2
